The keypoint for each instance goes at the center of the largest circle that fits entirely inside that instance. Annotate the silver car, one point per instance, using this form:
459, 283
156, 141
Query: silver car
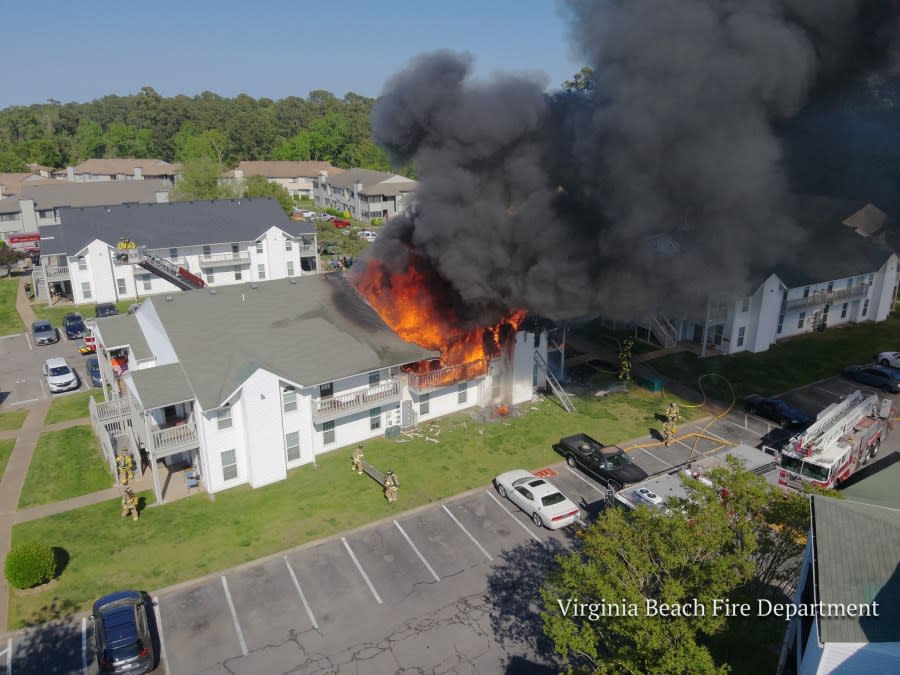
44, 333
537, 497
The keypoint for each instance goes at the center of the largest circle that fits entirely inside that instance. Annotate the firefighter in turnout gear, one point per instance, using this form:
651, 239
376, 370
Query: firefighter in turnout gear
125, 464
391, 486
129, 504
358, 455
669, 432
673, 414
625, 359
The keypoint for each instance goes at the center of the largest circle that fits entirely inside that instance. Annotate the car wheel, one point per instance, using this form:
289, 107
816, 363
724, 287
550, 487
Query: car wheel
570, 460
613, 485
884, 362
536, 517
501, 490
751, 410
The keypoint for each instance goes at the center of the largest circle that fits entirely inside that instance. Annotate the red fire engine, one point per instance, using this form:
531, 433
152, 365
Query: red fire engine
843, 438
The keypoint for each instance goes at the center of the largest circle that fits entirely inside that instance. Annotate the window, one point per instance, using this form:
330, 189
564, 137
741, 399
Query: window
825, 315
374, 379
238, 275
424, 404
234, 249
830, 286
289, 399
865, 307
173, 253
223, 416
806, 292
462, 392
290, 268
121, 287
259, 247
844, 310
745, 305
741, 332
374, 419
801, 319
86, 290
210, 275
147, 282
229, 465
328, 432
292, 444
82, 263
326, 390
46, 213
780, 323
870, 279
288, 245
261, 271
207, 251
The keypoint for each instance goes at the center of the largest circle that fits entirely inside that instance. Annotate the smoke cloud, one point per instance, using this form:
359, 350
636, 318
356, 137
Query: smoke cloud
659, 186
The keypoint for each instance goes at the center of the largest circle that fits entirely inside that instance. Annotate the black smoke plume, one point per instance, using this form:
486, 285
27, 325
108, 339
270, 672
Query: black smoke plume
658, 186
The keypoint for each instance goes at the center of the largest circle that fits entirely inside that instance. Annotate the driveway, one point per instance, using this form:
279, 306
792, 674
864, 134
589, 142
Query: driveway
21, 381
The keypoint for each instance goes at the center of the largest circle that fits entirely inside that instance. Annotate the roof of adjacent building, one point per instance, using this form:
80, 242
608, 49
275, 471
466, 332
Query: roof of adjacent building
857, 547
308, 330
121, 330
879, 488
14, 182
126, 166
55, 194
867, 221
168, 225
284, 169
162, 386
373, 182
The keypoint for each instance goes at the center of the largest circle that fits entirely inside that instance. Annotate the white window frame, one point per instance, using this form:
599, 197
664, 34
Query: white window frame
375, 419
291, 443
288, 245
290, 268
462, 393
86, 290
173, 253
865, 307
238, 274
82, 264
207, 250
801, 320
745, 305
261, 271
259, 247
223, 418
229, 464
210, 275
289, 400
121, 286
147, 282
424, 403
742, 331
328, 435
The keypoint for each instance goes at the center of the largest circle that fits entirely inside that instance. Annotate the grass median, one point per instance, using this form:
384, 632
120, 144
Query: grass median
65, 464
10, 321
195, 536
55, 315
72, 406
9, 421
6, 448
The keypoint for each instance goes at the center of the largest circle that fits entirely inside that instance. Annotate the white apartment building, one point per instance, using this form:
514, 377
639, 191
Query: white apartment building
298, 178
365, 194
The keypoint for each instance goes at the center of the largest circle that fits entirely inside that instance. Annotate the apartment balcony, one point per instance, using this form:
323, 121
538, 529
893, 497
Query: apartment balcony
327, 409
52, 273
436, 379
225, 259
305, 251
180, 437
821, 298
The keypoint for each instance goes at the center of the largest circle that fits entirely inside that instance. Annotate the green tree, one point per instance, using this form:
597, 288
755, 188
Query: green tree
10, 257
583, 80
88, 142
190, 143
10, 162
200, 180
258, 186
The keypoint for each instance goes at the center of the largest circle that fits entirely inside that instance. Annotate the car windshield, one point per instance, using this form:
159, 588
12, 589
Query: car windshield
551, 499
42, 327
806, 469
60, 370
124, 652
617, 461
94, 366
73, 320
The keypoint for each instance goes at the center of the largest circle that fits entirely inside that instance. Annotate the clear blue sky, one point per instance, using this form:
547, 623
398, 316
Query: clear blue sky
78, 51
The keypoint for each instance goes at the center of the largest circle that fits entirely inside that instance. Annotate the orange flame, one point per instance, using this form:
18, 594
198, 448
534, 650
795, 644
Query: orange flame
417, 305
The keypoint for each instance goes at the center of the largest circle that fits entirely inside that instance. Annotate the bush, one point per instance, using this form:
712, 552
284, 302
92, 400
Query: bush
377, 221
345, 214
30, 564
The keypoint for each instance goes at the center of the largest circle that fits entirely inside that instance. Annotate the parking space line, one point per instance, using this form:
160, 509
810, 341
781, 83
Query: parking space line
84, 645
361, 570
468, 534
511, 515
7, 337
234, 618
162, 640
26, 401
660, 460
418, 553
30, 348
707, 432
302, 597
584, 480
43, 389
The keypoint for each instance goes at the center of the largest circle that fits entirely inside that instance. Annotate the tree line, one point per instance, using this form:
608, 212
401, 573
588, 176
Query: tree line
182, 128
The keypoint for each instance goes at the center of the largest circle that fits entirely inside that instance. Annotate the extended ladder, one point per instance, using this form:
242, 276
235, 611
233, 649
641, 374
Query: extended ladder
554, 384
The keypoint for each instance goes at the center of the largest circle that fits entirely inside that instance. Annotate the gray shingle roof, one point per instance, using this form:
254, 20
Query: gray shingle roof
162, 385
373, 182
316, 330
56, 194
122, 330
857, 548
168, 225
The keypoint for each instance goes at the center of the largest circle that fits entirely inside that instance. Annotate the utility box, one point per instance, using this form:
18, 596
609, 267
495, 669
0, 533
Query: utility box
392, 432
654, 384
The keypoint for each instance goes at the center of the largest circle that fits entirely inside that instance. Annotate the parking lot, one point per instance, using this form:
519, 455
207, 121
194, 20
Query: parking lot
450, 587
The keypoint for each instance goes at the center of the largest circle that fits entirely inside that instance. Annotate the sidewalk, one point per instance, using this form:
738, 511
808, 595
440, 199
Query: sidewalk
23, 307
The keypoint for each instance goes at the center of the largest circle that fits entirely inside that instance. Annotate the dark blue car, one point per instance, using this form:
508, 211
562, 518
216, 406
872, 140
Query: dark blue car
73, 324
880, 377
122, 633
776, 410
93, 370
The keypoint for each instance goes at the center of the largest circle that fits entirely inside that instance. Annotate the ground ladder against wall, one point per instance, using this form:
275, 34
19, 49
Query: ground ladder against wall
554, 384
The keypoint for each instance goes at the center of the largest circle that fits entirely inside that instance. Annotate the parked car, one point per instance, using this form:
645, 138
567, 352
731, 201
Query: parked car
891, 359
92, 366
778, 411
73, 325
60, 376
341, 223
122, 633
105, 309
368, 235
44, 333
887, 379
609, 463
547, 506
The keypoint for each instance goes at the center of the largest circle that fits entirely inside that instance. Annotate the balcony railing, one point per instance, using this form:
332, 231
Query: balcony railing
326, 409
435, 379
183, 436
52, 272
108, 410
307, 250
216, 259
828, 297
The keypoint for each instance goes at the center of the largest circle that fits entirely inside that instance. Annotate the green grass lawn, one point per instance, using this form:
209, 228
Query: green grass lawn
195, 536
788, 364
6, 448
65, 464
12, 420
55, 314
71, 407
10, 321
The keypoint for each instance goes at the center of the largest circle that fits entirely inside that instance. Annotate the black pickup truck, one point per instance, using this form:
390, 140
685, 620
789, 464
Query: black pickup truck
608, 463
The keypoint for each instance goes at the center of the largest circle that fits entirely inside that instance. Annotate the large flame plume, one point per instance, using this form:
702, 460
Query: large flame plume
420, 306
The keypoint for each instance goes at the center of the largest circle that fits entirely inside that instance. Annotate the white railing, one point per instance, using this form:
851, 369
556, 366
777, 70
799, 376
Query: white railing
224, 258
435, 379
184, 434
110, 410
338, 406
52, 273
307, 250
828, 297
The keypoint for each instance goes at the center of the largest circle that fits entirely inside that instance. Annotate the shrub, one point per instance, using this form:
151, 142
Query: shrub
345, 214
30, 564
377, 221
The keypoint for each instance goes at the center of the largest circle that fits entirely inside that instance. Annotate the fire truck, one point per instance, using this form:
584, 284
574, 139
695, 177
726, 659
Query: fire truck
842, 439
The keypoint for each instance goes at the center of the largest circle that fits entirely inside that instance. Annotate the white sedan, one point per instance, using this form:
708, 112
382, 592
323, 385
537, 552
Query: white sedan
891, 359
547, 506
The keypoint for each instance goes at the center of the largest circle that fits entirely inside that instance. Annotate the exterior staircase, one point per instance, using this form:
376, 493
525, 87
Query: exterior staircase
663, 330
178, 276
554, 384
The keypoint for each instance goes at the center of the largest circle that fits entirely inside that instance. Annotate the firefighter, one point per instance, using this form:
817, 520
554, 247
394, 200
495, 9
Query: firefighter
669, 432
129, 504
673, 414
125, 464
357, 464
391, 486
625, 359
